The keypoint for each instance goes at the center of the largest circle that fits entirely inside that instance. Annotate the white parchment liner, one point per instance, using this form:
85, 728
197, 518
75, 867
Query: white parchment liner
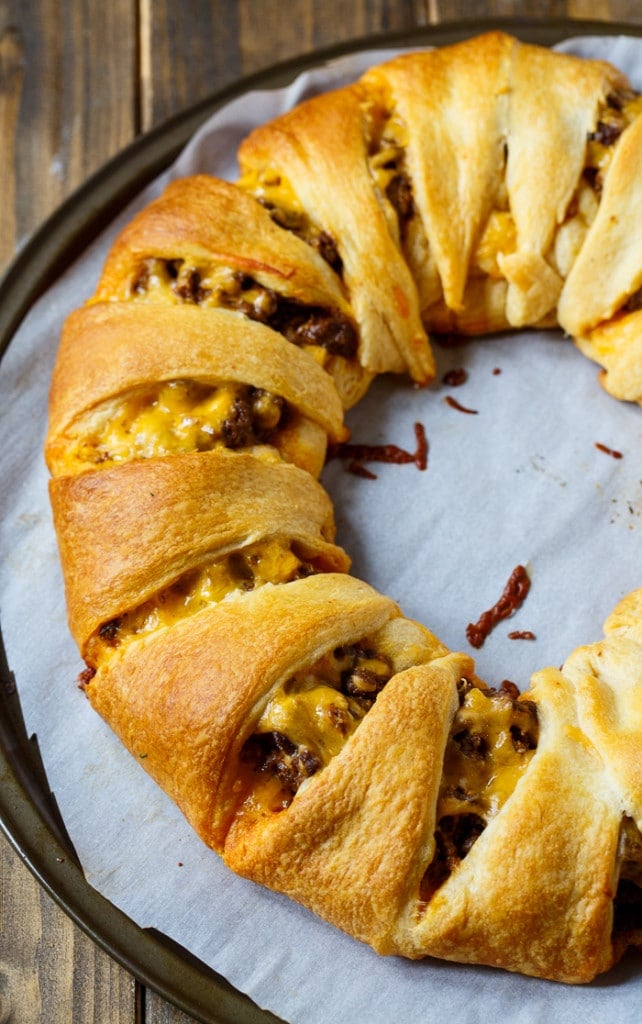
520, 481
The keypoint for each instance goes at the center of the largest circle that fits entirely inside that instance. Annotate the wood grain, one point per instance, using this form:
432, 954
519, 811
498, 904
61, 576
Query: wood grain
49, 970
11, 78
68, 101
78, 81
238, 38
157, 1011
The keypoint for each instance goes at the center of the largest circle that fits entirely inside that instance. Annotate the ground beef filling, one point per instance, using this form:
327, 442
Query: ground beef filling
307, 722
270, 561
388, 139
399, 193
273, 753
621, 108
492, 739
634, 303
299, 225
183, 416
302, 325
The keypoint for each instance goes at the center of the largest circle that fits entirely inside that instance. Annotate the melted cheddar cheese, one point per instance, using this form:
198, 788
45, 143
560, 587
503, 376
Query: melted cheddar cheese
499, 237
491, 743
216, 286
275, 192
210, 285
270, 561
486, 755
388, 142
313, 712
277, 196
306, 723
321, 719
171, 417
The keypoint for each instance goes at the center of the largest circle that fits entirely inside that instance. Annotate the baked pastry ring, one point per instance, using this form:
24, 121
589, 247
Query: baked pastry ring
324, 744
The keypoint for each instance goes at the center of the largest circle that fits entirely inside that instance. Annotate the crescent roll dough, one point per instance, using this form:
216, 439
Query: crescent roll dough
322, 743
205, 242
180, 513
234, 384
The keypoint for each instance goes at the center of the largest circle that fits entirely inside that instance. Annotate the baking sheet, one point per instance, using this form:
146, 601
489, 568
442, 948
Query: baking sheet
519, 481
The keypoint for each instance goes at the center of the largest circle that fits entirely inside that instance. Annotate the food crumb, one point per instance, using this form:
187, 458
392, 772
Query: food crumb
512, 598
608, 451
454, 404
456, 377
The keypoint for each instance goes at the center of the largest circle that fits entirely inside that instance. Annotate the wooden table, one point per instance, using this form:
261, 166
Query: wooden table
78, 81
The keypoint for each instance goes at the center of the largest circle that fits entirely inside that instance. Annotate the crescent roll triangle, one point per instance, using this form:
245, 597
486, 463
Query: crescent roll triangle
322, 743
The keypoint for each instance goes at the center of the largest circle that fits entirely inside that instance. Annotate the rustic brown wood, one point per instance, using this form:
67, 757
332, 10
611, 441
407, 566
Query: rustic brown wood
49, 970
11, 77
78, 80
239, 38
628, 11
68, 101
157, 1011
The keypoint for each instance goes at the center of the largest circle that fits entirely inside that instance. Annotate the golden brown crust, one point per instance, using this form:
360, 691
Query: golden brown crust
428, 185
490, 91
203, 219
616, 346
606, 676
561, 95
320, 148
352, 844
111, 349
189, 699
213, 226
467, 83
563, 805
177, 512
607, 270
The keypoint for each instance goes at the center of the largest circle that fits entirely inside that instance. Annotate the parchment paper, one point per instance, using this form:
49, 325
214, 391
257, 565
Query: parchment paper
521, 481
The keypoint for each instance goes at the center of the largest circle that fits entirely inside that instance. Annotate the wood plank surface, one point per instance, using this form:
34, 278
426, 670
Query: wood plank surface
79, 80
68, 101
237, 39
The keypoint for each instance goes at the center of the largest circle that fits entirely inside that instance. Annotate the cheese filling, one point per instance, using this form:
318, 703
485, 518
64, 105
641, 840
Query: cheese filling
276, 195
492, 740
388, 139
323, 331
274, 191
307, 722
270, 561
178, 416
619, 111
